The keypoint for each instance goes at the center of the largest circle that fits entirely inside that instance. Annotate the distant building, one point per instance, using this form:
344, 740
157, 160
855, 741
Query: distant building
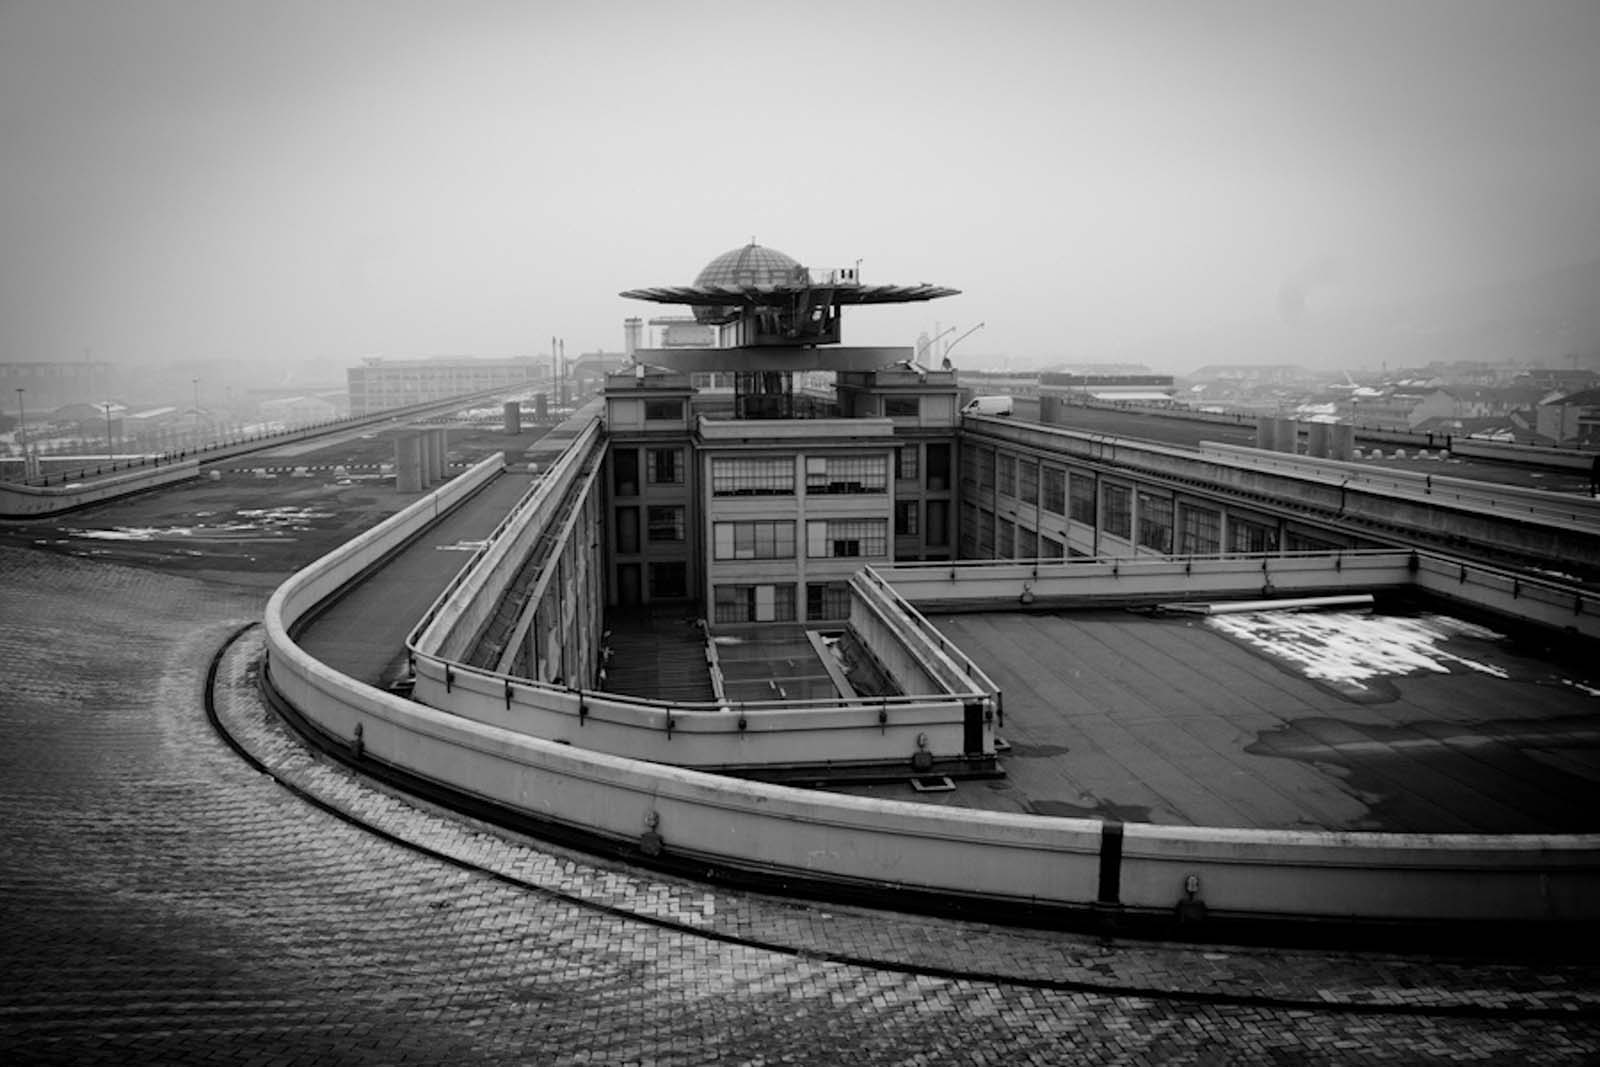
299, 410
1571, 419
1156, 389
381, 384
50, 385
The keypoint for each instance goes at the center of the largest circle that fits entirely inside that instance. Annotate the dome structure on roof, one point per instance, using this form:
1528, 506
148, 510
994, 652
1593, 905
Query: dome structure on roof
750, 265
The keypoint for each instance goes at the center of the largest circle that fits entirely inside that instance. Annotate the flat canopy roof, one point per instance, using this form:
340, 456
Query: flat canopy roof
758, 295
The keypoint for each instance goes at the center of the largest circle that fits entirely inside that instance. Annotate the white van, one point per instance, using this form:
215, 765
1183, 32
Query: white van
988, 405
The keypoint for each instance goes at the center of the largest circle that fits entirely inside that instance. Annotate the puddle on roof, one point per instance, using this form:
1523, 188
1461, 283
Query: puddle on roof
1495, 776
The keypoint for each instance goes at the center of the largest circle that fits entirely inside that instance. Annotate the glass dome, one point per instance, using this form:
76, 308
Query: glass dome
750, 265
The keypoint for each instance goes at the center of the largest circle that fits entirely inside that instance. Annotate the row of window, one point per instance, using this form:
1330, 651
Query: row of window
775, 476
1198, 530
663, 524
759, 539
662, 466
1032, 483
776, 602
825, 539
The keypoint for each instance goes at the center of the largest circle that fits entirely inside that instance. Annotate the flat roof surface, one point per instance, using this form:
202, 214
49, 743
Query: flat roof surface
1330, 721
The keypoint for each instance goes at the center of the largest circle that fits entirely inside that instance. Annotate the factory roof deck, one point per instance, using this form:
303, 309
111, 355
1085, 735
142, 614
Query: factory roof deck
1336, 721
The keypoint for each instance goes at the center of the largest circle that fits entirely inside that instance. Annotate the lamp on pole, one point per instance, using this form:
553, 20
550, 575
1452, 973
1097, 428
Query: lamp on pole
958, 340
195, 412
22, 431
931, 342
111, 452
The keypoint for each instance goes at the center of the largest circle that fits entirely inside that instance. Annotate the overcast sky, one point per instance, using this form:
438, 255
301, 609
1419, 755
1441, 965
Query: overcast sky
292, 180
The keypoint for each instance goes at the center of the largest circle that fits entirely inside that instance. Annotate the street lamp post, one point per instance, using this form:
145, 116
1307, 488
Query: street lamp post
931, 342
195, 413
111, 452
958, 340
22, 431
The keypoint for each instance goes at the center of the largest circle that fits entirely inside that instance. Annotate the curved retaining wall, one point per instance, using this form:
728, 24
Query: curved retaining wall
36, 502
1011, 862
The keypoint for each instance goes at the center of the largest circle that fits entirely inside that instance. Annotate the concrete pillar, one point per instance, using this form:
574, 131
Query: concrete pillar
1318, 440
1049, 410
513, 417
1342, 441
1267, 433
426, 458
408, 463
435, 458
1287, 435
541, 406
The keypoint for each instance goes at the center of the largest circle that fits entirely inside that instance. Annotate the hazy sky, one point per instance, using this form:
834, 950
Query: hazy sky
292, 180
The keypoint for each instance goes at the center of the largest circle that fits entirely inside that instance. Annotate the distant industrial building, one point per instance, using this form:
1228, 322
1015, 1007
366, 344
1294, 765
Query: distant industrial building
381, 384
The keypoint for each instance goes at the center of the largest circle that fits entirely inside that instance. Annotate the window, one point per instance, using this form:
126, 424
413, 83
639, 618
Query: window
665, 466
627, 531
985, 534
1007, 475
625, 471
665, 523
1003, 531
905, 518
984, 459
1119, 510
1082, 499
1246, 536
1200, 532
827, 600
938, 523
663, 409
752, 477
902, 407
1155, 522
1055, 491
905, 462
1028, 481
1050, 548
753, 540
846, 474
841, 538
1027, 544
669, 580
1296, 541
753, 603
938, 467
969, 529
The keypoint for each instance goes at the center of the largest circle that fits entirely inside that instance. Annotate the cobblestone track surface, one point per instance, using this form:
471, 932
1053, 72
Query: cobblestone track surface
889, 940
163, 902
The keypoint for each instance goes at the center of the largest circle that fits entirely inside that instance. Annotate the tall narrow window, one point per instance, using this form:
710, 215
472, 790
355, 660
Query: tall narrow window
625, 471
665, 466
1118, 500
938, 467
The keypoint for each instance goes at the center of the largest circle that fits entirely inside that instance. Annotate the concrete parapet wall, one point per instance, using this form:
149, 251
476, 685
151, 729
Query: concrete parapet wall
1011, 586
35, 502
1009, 860
879, 731
1571, 459
467, 605
1391, 877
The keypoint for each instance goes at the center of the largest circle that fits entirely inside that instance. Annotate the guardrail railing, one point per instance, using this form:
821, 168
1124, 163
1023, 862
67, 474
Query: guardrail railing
1435, 488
